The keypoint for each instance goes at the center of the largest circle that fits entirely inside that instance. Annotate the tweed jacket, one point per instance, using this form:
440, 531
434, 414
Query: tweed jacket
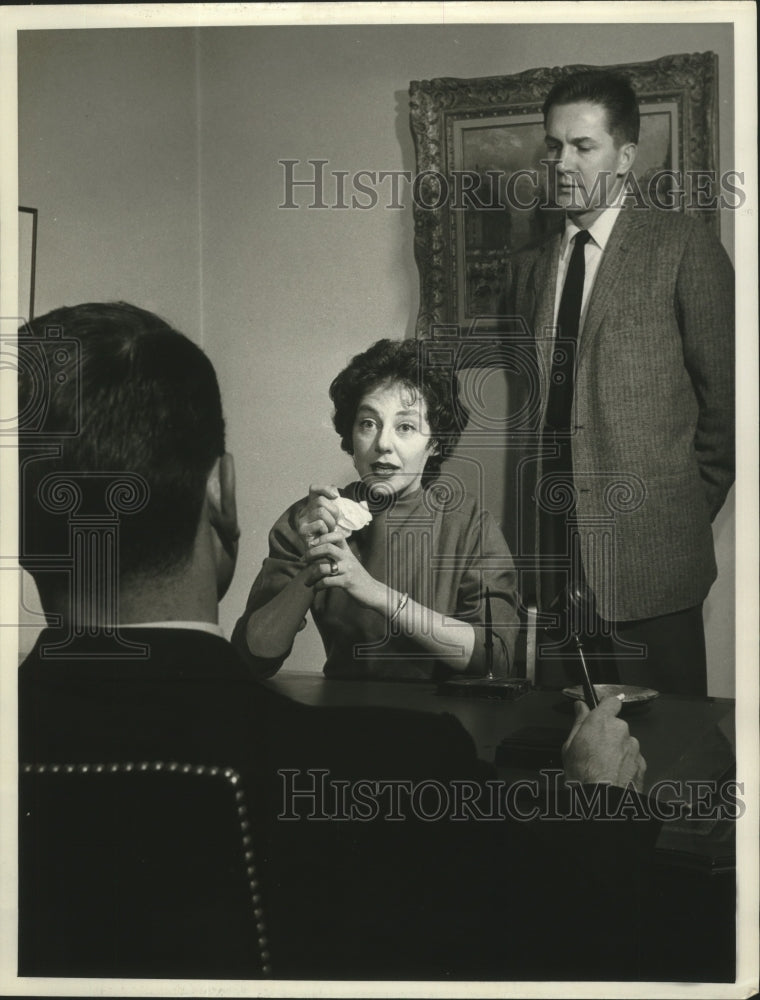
652, 427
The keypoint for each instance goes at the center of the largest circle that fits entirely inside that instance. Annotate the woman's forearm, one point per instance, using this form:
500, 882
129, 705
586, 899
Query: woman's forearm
448, 639
271, 629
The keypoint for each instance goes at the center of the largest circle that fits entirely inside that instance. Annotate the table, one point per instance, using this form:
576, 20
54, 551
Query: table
683, 738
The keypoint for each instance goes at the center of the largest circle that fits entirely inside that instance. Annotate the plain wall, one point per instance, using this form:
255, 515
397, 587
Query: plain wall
108, 141
108, 137
165, 190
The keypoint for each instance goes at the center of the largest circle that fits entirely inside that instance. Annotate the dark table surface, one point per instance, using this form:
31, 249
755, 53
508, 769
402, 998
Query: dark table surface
683, 739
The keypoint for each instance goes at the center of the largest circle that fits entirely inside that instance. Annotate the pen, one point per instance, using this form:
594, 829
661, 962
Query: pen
589, 691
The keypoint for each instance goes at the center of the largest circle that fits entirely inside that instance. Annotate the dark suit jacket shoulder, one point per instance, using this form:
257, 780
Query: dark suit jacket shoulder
191, 699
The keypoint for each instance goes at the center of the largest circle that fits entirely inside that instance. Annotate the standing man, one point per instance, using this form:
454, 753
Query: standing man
632, 310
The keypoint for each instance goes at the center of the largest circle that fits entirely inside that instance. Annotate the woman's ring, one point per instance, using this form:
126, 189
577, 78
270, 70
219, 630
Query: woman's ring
333, 569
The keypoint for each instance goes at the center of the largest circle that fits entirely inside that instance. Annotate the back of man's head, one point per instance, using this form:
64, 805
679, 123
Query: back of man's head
610, 90
112, 398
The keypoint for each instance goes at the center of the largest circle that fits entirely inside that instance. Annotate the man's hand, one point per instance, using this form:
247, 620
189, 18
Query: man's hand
600, 748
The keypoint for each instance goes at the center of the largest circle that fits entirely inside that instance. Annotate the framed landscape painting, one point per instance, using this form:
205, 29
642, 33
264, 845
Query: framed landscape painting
481, 166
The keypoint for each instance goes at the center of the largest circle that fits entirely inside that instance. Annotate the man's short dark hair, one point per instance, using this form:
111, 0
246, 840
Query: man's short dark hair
116, 390
400, 361
612, 91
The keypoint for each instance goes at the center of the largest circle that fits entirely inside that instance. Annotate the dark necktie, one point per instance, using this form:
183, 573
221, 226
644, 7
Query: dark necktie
560, 402
556, 532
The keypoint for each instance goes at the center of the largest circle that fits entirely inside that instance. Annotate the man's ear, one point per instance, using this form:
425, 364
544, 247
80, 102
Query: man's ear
222, 505
626, 156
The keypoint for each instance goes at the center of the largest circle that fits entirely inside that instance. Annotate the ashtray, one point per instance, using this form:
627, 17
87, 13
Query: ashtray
632, 695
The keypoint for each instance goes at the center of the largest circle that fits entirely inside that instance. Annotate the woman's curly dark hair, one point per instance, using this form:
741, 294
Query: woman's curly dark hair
401, 361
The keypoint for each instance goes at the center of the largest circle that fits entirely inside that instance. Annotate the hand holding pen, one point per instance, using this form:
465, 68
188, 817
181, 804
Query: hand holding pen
600, 747
580, 601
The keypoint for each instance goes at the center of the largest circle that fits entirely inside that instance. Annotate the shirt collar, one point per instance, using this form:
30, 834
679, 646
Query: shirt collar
210, 627
599, 230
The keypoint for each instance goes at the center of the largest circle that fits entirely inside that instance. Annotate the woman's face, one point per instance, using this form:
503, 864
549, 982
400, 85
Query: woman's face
391, 438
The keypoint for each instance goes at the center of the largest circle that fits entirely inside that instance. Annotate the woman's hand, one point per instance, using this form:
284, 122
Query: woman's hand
320, 515
331, 563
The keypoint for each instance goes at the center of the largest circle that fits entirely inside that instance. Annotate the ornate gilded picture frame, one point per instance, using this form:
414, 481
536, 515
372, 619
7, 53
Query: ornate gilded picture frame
479, 191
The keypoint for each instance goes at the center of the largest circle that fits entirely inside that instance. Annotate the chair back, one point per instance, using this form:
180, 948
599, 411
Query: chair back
138, 869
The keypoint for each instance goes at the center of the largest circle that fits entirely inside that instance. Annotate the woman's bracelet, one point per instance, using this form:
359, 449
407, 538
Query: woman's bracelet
399, 607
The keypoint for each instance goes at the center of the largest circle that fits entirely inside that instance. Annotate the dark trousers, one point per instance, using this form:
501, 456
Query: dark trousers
666, 653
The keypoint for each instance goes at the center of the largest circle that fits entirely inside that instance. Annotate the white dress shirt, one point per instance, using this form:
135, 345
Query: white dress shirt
599, 231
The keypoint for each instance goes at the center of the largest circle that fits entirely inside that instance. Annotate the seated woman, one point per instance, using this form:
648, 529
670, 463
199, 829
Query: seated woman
402, 596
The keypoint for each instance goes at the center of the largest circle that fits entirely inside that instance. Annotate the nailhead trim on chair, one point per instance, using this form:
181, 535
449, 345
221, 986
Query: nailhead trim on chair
232, 776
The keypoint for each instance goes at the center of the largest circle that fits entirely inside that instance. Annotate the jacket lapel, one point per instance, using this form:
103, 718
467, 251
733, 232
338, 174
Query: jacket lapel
611, 267
545, 282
